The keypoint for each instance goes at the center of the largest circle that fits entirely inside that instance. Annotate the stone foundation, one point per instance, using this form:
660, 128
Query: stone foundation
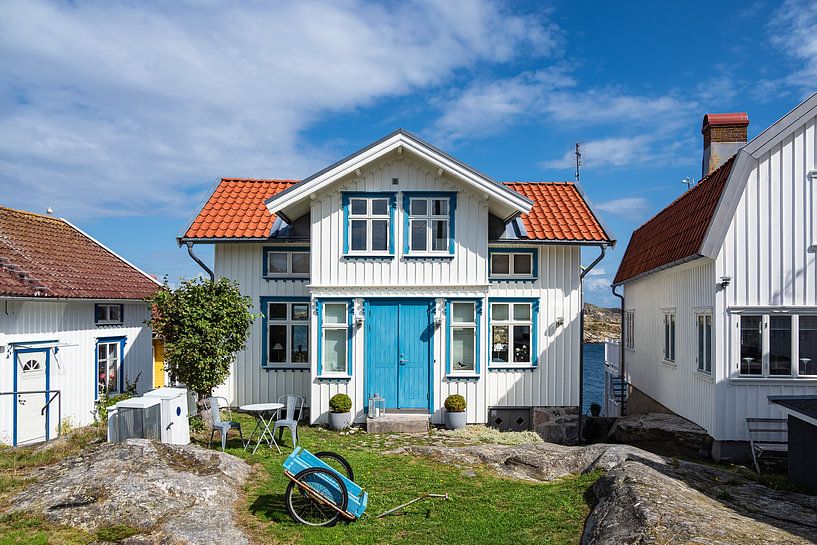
640, 403
556, 424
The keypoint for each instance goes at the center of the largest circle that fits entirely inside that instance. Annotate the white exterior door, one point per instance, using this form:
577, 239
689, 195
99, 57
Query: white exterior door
31, 369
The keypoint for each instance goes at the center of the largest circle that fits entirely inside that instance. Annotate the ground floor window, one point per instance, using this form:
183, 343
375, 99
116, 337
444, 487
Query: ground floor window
463, 319
287, 332
109, 365
778, 345
511, 333
704, 334
669, 336
629, 329
334, 337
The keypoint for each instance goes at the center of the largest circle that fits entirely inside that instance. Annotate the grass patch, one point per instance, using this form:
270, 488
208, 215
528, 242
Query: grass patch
484, 508
19, 529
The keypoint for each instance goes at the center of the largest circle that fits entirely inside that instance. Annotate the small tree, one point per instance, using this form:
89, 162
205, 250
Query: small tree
203, 323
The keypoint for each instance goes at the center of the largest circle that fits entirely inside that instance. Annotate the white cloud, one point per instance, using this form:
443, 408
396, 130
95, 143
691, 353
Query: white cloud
617, 152
628, 207
792, 31
119, 108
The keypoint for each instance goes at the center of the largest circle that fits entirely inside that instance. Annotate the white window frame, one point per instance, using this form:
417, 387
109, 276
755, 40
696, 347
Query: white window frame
629, 329
288, 322
511, 265
472, 325
344, 326
289, 273
369, 217
107, 364
428, 217
703, 348
669, 335
105, 310
765, 316
511, 323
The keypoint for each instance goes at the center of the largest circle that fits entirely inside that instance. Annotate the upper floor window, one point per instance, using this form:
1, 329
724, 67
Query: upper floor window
629, 329
368, 228
286, 263
429, 223
108, 314
777, 345
669, 335
704, 334
286, 328
512, 264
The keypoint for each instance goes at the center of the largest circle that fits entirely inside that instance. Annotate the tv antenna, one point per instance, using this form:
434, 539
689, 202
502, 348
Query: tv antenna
690, 181
578, 161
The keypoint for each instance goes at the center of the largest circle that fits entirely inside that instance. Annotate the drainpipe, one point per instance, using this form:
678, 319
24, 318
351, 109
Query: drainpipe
621, 336
201, 263
589, 268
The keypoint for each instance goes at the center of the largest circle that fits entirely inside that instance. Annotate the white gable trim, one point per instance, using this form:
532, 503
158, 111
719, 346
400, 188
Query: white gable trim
398, 141
745, 161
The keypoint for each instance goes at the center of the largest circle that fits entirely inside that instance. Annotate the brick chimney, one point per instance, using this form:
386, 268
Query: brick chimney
724, 135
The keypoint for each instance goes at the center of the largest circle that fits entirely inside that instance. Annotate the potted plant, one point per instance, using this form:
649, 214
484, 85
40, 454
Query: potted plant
595, 409
340, 416
455, 412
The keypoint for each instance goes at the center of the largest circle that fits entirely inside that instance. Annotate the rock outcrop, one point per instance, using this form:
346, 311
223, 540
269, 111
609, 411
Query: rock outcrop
169, 494
644, 498
666, 433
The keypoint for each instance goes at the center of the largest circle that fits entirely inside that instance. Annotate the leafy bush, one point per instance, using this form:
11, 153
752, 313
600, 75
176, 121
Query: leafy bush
105, 402
340, 403
196, 423
455, 404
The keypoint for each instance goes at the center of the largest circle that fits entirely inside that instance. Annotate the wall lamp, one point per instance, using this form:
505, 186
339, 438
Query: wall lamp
724, 281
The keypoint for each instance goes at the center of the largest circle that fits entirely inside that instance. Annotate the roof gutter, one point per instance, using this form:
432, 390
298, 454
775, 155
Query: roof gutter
603, 251
201, 263
621, 335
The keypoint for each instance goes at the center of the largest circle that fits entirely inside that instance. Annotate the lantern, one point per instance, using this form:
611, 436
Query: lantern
377, 406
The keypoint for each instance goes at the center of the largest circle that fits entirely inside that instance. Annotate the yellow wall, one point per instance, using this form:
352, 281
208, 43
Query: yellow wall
158, 363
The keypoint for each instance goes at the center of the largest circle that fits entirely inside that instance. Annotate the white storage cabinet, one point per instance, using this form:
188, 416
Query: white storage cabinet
175, 425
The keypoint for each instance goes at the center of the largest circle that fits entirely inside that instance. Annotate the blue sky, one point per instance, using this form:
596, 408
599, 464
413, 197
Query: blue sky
120, 116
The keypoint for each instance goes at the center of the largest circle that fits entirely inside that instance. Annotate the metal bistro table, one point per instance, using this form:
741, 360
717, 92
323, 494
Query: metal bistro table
264, 414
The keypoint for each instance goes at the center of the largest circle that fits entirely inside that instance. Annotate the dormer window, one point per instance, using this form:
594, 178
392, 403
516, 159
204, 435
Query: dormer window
369, 225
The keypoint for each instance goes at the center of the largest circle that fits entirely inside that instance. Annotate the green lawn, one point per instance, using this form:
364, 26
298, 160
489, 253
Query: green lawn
483, 508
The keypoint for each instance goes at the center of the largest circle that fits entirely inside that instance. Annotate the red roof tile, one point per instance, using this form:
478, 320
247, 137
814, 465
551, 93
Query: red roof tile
676, 232
559, 213
41, 256
236, 209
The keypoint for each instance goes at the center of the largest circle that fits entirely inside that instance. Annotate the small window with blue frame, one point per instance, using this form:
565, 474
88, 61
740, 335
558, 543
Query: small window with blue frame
287, 326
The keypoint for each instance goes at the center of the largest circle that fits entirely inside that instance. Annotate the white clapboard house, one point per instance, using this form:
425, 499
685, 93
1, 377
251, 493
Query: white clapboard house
71, 326
720, 287
401, 271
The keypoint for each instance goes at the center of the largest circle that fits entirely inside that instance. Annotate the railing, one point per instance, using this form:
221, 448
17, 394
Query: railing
615, 387
57, 394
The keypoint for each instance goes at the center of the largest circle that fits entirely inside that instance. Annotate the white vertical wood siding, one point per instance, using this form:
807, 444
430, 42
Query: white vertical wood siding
766, 254
248, 381
680, 387
72, 369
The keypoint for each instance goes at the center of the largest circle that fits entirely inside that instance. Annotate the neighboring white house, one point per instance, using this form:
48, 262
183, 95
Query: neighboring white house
71, 325
720, 288
404, 272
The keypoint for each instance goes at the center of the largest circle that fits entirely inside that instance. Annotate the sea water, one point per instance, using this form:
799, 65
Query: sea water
593, 375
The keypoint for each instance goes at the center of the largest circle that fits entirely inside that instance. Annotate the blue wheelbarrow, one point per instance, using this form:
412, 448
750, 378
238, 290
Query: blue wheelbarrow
322, 490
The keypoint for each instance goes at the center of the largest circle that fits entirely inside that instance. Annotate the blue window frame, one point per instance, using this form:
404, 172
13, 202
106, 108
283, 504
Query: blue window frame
463, 337
109, 314
335, 322
513, 332
429, 223
285, 332
513, 264
109, 365
368, 224
290, 262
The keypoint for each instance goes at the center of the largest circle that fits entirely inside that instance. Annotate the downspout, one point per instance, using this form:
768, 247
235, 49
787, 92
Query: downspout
621, 335
589, 268
201, 263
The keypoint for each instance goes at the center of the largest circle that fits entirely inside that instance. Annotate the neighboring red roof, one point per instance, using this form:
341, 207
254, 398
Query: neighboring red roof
236, 210
559, 213
41, 256
676, 232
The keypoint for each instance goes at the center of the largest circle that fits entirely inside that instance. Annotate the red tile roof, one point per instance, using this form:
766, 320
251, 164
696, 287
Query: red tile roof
559, 213
236, 210
42, 256
677, 232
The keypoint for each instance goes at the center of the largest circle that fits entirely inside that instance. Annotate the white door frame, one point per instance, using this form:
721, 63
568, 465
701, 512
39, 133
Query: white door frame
24, 349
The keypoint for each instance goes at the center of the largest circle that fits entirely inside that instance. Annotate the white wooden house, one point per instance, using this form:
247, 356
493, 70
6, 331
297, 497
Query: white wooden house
720, 287
71, 326
404, 272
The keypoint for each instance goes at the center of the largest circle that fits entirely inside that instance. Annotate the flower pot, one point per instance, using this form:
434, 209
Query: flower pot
455, 421
339, 421
595, 410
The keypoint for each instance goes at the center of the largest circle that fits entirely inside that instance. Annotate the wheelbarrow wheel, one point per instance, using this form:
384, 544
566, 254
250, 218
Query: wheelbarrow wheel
337, 462
310, 497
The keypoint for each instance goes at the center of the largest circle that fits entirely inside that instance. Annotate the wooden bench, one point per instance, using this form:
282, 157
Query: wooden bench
758, 427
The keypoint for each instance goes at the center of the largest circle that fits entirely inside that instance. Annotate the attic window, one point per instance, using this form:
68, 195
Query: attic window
108, 314
368, 227
429, 223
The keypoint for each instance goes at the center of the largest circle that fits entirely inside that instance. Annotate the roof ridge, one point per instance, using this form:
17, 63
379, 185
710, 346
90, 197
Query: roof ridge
29, 213
232, 179
549, 182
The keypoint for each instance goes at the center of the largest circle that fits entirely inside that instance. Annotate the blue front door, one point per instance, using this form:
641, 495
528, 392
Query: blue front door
398, 347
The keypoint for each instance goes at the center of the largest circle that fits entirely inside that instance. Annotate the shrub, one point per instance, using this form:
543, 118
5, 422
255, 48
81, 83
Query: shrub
455, 404
340, 403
